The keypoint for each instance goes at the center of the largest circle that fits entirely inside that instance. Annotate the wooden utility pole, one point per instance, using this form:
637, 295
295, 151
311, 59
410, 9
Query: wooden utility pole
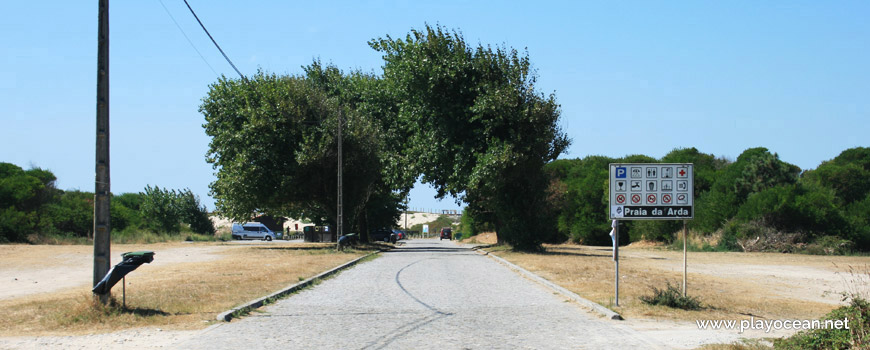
340, 204
102, 227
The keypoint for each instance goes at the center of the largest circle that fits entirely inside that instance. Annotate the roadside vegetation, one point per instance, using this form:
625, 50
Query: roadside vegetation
33, 210
466, 119
671, 296
755, 203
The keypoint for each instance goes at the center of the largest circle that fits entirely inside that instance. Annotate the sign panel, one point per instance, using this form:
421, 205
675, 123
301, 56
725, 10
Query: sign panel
652, 191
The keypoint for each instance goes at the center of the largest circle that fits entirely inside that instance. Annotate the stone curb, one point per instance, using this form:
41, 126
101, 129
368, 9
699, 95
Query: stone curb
237, 311
583, 301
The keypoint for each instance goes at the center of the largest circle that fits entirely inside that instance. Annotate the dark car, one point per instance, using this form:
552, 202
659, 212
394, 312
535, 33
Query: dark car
446, 233
384, 234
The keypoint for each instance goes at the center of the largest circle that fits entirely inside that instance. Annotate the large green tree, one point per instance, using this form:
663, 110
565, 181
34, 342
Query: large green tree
274, 147
479, 128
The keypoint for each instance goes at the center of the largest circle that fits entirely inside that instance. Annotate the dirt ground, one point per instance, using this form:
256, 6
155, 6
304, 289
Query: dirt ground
33, 269
46, 300
730, 286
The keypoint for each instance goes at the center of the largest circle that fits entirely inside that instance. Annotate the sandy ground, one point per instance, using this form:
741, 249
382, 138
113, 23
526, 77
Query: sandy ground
140, 338
63, 267
418, 218
805, 277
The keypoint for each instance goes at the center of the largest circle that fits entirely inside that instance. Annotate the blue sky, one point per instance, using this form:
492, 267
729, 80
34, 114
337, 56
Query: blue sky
632, 77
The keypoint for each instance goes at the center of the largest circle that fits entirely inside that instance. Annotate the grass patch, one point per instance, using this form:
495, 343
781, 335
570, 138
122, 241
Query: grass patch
743, 344
856, 337
186, 295
731, 285
672, 297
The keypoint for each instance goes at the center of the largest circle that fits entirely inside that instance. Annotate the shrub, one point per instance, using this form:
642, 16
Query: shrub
672, 297
856, 337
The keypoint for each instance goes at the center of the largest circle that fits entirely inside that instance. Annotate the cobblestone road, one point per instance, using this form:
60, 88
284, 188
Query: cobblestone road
427, 294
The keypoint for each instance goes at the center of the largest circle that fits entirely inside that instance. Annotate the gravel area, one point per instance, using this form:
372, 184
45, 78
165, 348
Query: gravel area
427, 294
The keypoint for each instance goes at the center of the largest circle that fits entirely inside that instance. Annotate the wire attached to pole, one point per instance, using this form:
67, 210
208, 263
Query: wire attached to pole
215, 42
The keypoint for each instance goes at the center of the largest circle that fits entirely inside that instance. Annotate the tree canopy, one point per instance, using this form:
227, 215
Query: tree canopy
481, 130
466, 120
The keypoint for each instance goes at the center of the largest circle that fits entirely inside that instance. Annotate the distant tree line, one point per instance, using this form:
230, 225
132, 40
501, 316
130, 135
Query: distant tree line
30, 203
755, 203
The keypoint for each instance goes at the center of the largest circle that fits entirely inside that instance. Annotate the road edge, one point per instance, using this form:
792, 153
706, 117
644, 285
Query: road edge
244, 308
559, 289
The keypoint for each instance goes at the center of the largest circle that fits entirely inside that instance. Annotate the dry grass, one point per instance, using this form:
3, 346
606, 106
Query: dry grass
482, 238
730, 285
177, 296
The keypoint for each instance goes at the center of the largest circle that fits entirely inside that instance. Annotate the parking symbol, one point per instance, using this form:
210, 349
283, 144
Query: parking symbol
620, 172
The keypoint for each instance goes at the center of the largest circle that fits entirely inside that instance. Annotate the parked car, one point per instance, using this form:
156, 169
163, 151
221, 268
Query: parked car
400, 235
254, 230
384, 234
446, 232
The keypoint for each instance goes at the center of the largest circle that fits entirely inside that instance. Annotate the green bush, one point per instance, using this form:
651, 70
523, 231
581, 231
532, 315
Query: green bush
797, 207
163, 210
655, 230
72, 215
856, 337
671, 297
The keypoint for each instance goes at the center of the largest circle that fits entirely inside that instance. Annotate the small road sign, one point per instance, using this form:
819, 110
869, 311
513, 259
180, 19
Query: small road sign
651, 191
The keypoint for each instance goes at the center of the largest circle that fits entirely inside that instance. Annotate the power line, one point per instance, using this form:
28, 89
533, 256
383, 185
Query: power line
188, 39
215, 42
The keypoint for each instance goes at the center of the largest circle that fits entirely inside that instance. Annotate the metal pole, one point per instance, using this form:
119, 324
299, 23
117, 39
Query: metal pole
340, 210
102, 227
124, 298
616, 257
685, 238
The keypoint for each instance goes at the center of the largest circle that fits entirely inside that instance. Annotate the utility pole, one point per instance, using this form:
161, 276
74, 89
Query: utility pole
340, 209
102, 227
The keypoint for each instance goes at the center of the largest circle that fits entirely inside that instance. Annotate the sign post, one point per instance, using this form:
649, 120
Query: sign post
651, 191
685, 238
614, 233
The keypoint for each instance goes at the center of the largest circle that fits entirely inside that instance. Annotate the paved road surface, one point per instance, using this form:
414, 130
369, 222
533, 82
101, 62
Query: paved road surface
427, 294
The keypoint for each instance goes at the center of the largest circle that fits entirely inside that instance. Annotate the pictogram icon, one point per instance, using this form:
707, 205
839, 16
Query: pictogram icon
620, 199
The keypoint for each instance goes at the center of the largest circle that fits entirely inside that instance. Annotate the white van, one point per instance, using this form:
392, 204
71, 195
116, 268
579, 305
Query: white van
254, 230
